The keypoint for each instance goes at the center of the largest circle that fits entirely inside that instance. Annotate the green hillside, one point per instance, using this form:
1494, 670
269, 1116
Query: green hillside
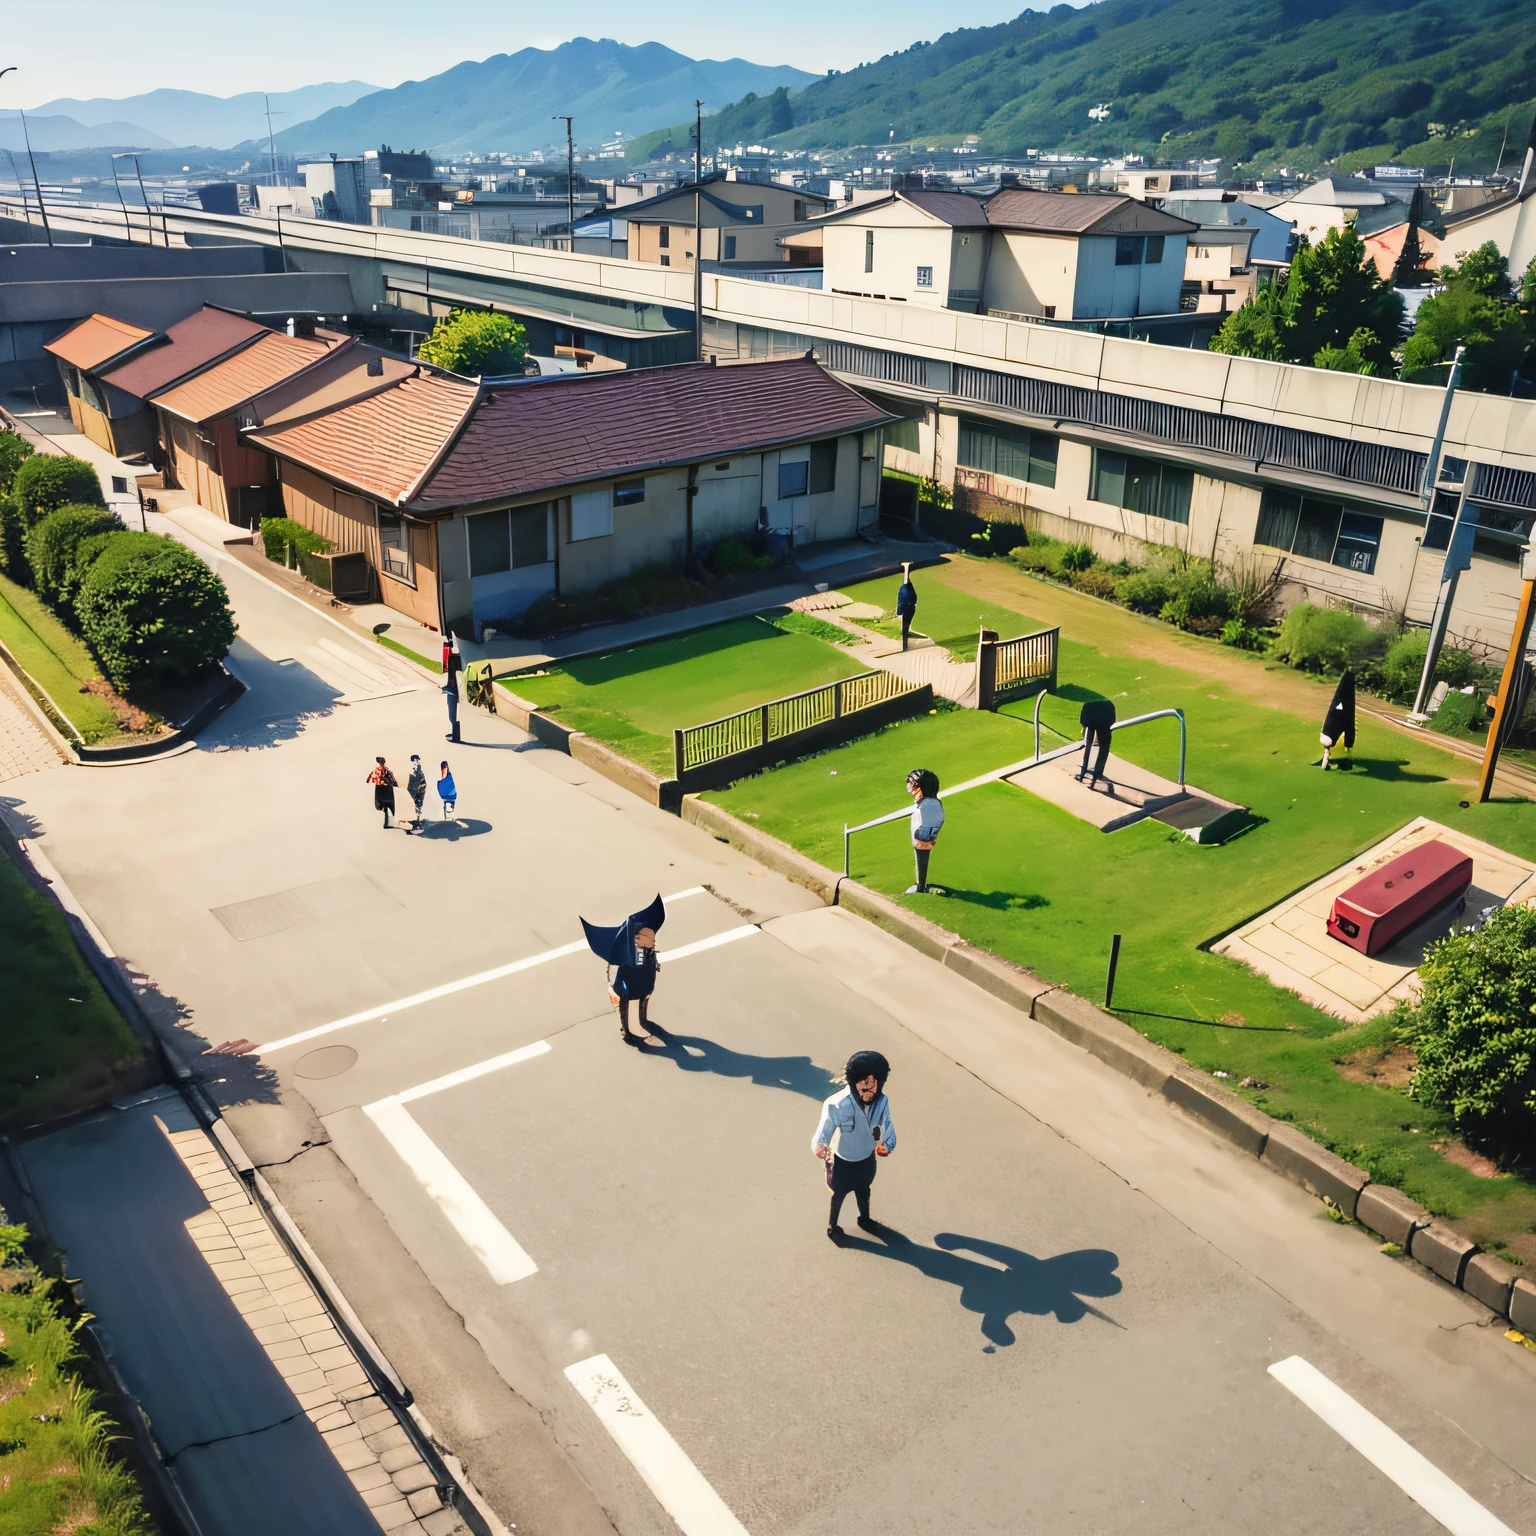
1301, 83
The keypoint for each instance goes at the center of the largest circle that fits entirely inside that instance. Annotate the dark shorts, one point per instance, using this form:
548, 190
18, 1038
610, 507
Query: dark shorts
383, 797
634, 981
849, 1177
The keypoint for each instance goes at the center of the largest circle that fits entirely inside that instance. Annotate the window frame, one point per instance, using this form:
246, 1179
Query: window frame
477, 521
539, 509
869, 250
730, 248
1346, 528
1156, 243
1129, 250
1034, 452
821, 478
1150, 487
925, 277
591, 515
664, 238
625, 494
407, 576
804, 467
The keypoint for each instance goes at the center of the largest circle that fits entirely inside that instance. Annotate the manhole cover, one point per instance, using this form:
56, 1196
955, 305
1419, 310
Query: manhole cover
328, 1061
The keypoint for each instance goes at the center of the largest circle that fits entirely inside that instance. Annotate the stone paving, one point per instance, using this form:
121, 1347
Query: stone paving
23, 746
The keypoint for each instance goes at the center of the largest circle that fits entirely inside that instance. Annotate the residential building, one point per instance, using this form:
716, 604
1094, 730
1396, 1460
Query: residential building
1335, 202
1274, 239
742, 222
473, 501
1508, 221
1219, 274
111, 419
336, 189
1155, 183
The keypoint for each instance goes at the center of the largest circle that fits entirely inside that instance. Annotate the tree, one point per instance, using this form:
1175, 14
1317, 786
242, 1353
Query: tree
1477, 308
152, 611
52, 543
15, 450
1330, 302
48, 481
476, 342
1474, 1030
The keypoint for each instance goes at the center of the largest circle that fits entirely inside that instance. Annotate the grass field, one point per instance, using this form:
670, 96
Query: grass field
57, 660
633, 700
62, 1034
1033, 883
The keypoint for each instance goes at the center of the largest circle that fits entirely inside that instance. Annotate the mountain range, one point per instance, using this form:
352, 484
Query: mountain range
162, 118
51, 132
1303, 83
505, 102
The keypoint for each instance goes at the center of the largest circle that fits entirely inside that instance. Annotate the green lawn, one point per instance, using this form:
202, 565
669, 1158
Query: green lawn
1033, 883
57, 660
633, 700
949, 617
62, 1035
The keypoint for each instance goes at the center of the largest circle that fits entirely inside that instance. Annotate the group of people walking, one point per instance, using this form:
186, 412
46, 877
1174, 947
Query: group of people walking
385, 783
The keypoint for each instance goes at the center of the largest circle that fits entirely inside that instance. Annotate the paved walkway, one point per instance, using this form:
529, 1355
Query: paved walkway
24, 748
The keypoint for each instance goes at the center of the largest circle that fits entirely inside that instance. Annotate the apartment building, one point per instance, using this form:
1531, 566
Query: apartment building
742, 222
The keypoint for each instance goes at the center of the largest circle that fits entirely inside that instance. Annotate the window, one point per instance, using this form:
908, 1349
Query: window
799, 210
869, 250
1323, 530
666, 260
1442, 518
1154, 249
628, 493
665, 237
902, 434
119, 485
823, 476
1003, 449
530, 536
730, 247
394, 545
1128, 250
1050, 311
925, 277
1142, 485
754, 213
490, 544
794, 479
591, 515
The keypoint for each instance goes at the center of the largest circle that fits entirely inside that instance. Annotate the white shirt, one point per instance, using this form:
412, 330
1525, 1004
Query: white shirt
927, 819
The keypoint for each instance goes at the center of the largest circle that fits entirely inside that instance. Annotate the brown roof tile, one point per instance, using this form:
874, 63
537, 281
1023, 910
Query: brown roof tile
382, 445
546, 433
1066, 213
96, 340
267, 361
190, 344
959, 209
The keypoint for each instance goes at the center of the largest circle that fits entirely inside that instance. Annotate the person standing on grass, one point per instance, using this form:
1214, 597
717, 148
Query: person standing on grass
906, 602
860, 1114
416, 786
384, 782
927, 822
447, 791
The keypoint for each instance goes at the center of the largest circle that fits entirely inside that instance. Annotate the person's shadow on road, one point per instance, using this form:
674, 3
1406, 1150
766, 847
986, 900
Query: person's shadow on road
1040, 1287
693, 1053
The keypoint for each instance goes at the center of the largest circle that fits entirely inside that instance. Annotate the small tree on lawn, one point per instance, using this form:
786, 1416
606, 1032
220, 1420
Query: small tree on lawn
152, 611
476, 342
52, 543
1474, 1029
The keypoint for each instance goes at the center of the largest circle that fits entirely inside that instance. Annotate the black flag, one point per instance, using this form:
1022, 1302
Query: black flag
1340, 723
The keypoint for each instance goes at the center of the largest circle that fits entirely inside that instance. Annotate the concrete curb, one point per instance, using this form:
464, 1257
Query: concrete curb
1386, 1211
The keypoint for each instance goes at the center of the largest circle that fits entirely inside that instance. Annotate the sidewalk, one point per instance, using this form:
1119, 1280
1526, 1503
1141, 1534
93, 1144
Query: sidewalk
260, 1408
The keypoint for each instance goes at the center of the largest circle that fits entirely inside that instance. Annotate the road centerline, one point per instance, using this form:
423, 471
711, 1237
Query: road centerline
1388, 1452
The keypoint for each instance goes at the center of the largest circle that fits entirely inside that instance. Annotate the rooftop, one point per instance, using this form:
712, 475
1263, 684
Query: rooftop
203, 337
96, 340
219, 389
1082, 213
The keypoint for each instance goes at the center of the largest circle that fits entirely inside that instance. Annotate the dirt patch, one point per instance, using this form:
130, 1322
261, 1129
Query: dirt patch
1387, 1066
1465, 1157
131, 720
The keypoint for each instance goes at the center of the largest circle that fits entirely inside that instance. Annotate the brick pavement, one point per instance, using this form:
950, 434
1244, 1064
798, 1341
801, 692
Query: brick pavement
23, 746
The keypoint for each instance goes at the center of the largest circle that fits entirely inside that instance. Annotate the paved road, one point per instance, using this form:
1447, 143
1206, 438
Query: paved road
1069, 1326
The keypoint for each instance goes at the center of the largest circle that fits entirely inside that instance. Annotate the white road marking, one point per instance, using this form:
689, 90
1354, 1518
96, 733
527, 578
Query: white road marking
1388, 1452
448, 988
714, 941
472, 1218
469, 1074
679, 1486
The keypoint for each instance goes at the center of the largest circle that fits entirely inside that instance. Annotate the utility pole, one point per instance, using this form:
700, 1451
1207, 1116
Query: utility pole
149, 218
570, 178
698, 245
266, 101
1458, 558
1513, 693
42, 207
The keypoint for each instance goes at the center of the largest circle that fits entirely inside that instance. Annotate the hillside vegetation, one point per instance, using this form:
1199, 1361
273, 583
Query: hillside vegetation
1301, 83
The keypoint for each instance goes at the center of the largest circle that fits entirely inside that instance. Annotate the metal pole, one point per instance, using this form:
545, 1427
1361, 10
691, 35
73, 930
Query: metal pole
570, 174
1114, 962
266, 101
1458, 556
127, 223
149, 218
32, 161
1512, 664
1183, 744
1432, 464
698, 231
846, 839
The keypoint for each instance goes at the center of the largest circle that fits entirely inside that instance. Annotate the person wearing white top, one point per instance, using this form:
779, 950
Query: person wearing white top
927, 822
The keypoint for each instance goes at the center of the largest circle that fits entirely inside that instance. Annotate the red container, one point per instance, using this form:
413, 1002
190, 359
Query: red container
1398, 896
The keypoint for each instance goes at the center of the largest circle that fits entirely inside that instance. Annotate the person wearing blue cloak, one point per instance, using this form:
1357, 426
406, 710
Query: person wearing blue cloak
906, 602
630, 951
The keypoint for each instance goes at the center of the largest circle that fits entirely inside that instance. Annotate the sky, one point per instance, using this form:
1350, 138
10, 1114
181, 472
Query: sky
220, 49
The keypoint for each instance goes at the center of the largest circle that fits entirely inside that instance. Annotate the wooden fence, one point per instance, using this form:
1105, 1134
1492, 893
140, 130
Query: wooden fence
1003, 666
774, 729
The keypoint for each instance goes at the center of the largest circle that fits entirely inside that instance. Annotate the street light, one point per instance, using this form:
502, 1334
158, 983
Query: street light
31, 160
122, 202
149, 222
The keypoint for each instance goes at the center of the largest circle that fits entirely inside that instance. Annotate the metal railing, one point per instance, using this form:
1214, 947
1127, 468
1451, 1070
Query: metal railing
696, 746
1012, 768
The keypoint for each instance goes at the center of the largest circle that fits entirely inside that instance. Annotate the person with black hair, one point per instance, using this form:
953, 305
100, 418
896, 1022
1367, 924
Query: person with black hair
1097, 718
906, 603
927, 823
860, 1114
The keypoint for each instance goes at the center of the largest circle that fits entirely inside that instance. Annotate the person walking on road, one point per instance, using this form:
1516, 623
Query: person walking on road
416, 787
927, 822
906, 602
860, 1114
631, 949
384, 782
447, 791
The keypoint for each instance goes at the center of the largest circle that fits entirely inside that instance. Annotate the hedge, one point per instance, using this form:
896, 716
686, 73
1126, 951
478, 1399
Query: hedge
152, 611
52, 544
277, 533
47, 481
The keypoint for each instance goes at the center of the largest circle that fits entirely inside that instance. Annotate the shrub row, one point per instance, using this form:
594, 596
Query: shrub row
150, 610
279, 534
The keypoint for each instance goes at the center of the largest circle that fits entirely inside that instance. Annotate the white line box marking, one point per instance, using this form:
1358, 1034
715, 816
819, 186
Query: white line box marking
1388, 1452
679, 1486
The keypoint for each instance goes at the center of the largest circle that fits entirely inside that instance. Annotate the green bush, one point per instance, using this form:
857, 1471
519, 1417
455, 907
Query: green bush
1077, 557
1316, 639
1474, 1029
15, 450
1096, 582
13, 542
1148, 591
152, 611
52, 545
476, 342
728, 557
1199, 602
1403, 666
46, 482
277, 533
1240, 636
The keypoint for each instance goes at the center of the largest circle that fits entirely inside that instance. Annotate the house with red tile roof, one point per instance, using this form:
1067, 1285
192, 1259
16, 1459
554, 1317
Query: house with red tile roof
472, 501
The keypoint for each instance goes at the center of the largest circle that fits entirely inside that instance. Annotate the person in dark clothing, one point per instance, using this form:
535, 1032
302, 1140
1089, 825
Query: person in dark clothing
384, 782
1096, 718
860, 1114
416, 787
906, 603
630, 949
1339, 724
